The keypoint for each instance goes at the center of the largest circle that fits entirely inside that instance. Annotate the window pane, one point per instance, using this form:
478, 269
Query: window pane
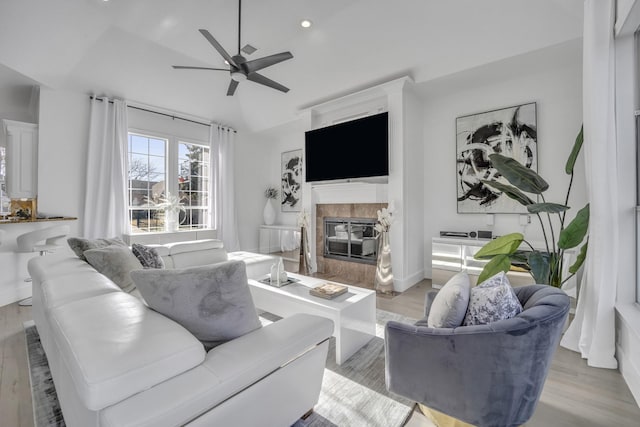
193, 184
147, 176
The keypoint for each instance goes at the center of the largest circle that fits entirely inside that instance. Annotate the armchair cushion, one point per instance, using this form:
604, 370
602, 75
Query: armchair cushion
492, 300
213, 302
449, 307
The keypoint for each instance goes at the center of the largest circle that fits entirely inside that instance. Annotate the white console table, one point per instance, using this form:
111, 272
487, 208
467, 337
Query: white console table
452, 255
280, 240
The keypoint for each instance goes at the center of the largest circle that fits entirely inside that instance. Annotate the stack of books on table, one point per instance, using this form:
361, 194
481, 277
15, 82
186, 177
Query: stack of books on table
328, 290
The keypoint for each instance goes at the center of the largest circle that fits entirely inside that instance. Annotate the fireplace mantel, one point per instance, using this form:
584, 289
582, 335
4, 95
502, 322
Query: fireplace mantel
350, 192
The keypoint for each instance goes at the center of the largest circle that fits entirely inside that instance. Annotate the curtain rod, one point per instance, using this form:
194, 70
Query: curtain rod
168, 115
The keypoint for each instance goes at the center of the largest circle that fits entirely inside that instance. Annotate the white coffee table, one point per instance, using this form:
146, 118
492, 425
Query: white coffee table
353, 313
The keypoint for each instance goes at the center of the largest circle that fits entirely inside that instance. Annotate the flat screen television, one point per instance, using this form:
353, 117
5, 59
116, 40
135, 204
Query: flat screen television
354, 149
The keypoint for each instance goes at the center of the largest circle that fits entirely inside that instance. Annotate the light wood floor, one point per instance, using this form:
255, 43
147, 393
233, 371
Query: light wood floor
574, 394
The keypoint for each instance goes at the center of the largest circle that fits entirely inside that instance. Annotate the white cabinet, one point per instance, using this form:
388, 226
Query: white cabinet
21, 159
451, 255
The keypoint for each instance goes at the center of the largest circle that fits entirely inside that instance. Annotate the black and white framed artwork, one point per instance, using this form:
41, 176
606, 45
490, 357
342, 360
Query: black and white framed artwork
511, 132
291, 178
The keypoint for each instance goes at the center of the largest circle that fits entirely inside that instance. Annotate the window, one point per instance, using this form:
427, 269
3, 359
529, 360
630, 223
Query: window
163, 165
4, 198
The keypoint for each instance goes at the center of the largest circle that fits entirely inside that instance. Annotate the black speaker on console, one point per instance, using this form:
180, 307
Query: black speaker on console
485, 234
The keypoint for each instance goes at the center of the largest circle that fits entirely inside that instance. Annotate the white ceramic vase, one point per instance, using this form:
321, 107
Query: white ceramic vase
171, 221
269, 213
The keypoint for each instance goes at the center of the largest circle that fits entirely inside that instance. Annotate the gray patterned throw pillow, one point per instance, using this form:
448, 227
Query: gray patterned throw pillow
116, 262
492, 300
148, 256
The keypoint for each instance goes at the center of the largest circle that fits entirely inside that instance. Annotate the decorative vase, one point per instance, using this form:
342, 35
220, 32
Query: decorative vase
384, 275
171, 221
269, 213
304, 267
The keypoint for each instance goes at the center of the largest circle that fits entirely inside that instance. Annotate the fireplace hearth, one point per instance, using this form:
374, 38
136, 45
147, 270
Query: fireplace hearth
350, 239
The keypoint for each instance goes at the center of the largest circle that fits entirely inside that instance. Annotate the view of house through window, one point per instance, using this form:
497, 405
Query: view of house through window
162, 166
4, 198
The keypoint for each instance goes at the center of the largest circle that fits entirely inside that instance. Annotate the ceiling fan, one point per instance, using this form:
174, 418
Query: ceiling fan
239, 68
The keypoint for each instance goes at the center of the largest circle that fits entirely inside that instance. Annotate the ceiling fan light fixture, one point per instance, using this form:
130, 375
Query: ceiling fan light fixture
305, 23
238, 76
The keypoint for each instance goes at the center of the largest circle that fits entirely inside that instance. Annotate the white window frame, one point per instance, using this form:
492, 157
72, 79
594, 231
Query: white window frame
172, 171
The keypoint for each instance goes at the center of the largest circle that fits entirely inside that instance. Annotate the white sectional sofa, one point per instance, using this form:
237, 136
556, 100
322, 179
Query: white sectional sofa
116, 362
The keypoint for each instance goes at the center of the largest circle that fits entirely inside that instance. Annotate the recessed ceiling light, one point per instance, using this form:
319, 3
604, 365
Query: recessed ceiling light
305, 23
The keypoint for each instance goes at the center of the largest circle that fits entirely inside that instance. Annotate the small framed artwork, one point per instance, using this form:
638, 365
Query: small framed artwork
291, 178
511, 132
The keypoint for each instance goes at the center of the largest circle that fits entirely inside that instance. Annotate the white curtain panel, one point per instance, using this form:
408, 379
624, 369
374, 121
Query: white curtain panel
105, 209
592, 332
222, 182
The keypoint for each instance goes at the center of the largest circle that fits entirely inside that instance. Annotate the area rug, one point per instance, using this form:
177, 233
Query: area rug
353, 394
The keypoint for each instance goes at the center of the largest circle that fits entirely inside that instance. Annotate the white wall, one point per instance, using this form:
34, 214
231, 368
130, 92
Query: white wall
255, 170
62, 154
557, 90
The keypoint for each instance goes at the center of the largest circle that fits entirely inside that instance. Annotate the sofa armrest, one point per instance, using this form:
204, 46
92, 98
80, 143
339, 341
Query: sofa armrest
227, 370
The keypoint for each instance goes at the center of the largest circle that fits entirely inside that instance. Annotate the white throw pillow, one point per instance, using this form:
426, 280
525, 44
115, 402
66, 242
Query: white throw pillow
450, 304
492, 300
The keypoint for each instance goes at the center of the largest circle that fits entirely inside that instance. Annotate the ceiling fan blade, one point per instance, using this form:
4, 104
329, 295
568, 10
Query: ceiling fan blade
267, 61
248, 49
186, 67
232, 87
259, 78
207, 35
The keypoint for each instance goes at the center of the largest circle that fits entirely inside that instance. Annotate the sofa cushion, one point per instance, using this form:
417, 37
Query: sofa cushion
258, 265
450, 304
492, 300
75, 286
114, 347
147, 255
115, 262
43, 268
213, 302
193, 246
79, 245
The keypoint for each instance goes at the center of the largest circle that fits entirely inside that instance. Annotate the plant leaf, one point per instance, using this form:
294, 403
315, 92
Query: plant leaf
547, 207
571, 161
510, 191
519, 175
503, 245
540, 266
580, 258
571, 236
497, 264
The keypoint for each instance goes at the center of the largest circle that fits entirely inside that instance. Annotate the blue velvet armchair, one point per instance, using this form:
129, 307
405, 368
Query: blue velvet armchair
485, 375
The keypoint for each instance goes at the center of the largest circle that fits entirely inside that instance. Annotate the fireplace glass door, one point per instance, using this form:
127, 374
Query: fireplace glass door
350, 239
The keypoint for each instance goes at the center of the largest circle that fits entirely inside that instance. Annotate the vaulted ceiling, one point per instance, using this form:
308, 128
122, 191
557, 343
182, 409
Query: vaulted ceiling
126, 47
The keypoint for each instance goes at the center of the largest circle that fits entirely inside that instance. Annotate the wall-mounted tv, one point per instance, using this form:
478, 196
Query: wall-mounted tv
354, 149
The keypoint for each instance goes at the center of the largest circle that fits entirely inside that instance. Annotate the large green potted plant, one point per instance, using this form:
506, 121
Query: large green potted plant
545, 265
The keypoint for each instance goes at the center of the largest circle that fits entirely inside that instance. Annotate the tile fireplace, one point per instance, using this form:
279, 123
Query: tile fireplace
348, 256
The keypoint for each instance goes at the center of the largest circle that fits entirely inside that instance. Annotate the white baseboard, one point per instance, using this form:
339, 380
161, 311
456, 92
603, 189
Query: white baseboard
629, 372
18, 293
403, 285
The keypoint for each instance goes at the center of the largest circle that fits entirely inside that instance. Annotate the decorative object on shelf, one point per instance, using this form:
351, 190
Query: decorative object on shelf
544, 265
269, 212
172, 207
291, 163
384, 274
511, 132
23, 208
304, 266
